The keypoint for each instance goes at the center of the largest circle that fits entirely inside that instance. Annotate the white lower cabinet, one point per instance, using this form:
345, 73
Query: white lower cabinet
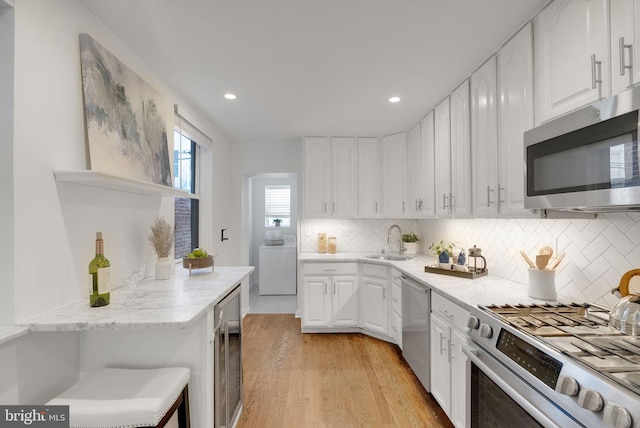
330, 295
449, 365
375, 298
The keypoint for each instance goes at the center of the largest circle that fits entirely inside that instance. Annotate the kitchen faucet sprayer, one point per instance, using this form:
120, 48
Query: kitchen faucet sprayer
402, 249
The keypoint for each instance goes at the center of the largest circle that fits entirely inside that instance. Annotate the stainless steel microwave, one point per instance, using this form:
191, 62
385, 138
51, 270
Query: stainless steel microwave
586, 160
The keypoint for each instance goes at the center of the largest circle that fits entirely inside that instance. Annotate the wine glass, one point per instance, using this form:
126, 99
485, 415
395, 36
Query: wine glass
131, 275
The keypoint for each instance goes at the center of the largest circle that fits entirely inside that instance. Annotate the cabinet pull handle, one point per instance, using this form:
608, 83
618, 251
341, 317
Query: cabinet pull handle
334, 207
451, 346
330, 270
376, 207
325, 207
403, 206
446, 314
623, 64
384, 293
452, 198
334, 288
325, 287
444, 202
442, 349
595, 76
489, 201
500, 192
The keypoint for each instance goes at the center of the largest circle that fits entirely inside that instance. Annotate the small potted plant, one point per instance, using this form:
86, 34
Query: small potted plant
444, 250
277, 221
161, 238
410, 243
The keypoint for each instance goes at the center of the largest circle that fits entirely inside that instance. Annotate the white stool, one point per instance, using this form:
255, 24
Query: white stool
115, 398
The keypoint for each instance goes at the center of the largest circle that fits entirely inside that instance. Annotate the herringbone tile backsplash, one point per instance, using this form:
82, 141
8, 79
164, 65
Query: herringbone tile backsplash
598, 252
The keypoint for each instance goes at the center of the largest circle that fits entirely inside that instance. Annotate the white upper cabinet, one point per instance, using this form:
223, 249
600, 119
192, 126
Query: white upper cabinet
484, 140
625, 44
330, 177
415, 168
442, 153
460, 196
317, 176
394, 174
344, 177
572, 56
515, 115
369, 180
427, 134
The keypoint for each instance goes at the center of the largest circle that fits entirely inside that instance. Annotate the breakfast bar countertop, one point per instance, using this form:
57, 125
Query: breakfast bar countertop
177, 302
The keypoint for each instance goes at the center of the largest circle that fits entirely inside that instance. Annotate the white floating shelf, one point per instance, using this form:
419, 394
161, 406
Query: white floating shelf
112, 182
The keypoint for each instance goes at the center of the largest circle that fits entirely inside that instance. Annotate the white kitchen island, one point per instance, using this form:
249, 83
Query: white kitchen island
171, 324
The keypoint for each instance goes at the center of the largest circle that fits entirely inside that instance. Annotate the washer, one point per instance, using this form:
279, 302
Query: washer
278, 268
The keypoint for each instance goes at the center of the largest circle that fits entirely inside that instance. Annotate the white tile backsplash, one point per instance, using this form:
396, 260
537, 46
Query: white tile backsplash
354, 235
598, 252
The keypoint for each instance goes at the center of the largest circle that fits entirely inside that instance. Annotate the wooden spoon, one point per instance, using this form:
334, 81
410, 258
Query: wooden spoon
527, 259
556, 262
546, 250
542, 260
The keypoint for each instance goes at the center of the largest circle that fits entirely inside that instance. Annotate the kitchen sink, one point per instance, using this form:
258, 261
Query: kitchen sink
390, 257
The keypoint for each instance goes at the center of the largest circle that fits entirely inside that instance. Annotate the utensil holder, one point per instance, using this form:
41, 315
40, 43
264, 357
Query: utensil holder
542, 284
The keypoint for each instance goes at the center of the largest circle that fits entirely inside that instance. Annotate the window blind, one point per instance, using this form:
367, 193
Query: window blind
277, 201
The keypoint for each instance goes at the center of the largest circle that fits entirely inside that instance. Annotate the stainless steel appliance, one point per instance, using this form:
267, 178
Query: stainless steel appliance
553, 366
227, 360
586, 160
416, 312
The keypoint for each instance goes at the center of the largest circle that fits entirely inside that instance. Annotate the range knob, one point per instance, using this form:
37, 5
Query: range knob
616, 416
485, 330
472, 322
567, 385
590, 399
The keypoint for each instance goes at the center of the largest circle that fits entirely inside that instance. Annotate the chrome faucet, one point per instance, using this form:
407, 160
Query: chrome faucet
402, 249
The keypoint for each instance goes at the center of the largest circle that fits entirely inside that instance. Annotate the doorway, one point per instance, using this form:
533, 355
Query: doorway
268, 204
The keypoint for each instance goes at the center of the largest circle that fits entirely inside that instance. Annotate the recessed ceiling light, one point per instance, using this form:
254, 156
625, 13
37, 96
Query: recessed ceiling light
394, 99
230, 96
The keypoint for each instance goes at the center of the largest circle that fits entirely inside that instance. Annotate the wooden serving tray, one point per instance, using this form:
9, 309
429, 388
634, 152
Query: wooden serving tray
451, 272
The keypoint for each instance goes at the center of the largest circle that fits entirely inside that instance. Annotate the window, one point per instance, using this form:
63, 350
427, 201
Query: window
188, 142
277, 205
186, 209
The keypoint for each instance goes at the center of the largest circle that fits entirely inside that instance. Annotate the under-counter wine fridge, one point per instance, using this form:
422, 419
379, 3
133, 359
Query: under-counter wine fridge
228, 360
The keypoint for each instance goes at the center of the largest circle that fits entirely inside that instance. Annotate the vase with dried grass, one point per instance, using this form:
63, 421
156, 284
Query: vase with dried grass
161, 239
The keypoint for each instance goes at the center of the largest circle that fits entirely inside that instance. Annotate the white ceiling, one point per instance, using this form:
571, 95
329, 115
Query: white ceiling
314, 67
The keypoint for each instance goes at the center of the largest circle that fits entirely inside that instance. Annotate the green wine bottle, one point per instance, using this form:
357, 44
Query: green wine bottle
99, 276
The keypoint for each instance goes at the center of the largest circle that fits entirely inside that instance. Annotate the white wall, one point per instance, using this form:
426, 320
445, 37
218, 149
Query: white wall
55, 224
6, 164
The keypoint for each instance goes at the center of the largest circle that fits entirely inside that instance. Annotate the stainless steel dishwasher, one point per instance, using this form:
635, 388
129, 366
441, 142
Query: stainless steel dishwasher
227, 360
416, 314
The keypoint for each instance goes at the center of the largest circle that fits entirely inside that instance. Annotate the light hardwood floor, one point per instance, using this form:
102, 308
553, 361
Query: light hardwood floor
327, 380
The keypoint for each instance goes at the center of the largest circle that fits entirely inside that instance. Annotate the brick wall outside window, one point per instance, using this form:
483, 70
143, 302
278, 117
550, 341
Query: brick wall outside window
183, 227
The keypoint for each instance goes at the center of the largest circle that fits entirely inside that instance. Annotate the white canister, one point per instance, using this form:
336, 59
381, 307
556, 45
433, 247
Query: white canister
542, 284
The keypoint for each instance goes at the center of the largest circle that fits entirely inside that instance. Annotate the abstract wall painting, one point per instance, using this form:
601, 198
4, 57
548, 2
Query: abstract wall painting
125, 118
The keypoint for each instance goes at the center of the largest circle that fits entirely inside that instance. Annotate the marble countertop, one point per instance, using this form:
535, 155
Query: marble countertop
485, 290
8, 334
173, 303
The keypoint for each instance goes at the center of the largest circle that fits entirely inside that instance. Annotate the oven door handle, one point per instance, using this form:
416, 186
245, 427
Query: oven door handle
473, 354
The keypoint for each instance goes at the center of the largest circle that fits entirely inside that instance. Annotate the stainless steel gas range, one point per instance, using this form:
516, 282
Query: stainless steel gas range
553, 366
